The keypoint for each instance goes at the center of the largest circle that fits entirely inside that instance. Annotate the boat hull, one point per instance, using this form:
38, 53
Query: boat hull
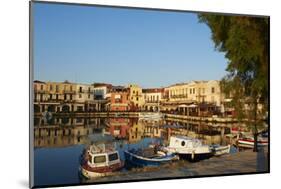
220, 150
251, 143
138, 161
89, 172
195, 157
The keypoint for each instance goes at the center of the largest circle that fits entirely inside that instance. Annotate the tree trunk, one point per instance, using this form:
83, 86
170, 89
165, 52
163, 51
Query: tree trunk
255, 126
255, 142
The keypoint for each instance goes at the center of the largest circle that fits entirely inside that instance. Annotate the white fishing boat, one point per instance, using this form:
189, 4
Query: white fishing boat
249, 141
100, 160
188, 148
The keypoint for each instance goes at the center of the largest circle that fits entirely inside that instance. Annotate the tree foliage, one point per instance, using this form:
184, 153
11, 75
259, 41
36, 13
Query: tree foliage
245, 42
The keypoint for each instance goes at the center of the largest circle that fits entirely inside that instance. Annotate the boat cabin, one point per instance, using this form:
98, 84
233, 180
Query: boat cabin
100, 156
184, 142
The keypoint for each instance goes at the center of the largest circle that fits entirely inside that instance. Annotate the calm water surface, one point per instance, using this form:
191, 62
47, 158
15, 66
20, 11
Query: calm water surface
59, 142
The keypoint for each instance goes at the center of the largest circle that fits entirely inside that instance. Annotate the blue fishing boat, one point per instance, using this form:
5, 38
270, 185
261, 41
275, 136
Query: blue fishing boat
148, 157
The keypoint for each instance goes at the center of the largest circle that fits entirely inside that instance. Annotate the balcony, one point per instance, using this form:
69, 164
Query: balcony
69, 91
39, 91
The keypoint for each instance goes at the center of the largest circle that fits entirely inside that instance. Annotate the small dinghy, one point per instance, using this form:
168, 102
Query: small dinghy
219, 150
148, 157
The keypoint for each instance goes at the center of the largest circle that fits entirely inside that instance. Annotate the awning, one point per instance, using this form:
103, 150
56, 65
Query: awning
227, 100
192, 106
183, 106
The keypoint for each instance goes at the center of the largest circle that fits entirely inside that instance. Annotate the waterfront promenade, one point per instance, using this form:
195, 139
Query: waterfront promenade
238, 163
136, 115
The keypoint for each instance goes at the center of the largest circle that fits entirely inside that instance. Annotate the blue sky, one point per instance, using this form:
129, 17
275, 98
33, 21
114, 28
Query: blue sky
120, 46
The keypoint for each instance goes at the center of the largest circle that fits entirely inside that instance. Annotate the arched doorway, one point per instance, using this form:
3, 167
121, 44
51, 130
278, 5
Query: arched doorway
65, 108
51, 108
36, 108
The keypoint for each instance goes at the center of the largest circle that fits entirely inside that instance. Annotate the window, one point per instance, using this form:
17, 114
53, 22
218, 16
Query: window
50, 96
51, 87
70, 87
99, 159
80, 96
41, 87
113, 157
57, 88
193, 90
190, 91
137, 98
213, 89
182, 143
80, 89
88, 96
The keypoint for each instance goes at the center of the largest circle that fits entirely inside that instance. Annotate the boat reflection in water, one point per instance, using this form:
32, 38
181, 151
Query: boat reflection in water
60, 141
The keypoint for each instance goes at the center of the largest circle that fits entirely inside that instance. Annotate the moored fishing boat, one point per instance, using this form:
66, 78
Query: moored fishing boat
148, 157
100, 160
188, 148
249, 141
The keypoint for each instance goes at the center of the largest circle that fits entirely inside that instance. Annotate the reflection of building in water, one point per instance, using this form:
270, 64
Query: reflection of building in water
64, 131
136, 132
118, 127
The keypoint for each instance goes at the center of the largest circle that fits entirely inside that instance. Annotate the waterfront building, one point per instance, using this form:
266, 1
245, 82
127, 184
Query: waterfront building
178, 92
119, 99
193, 97
84, 98
136, 97
174, 96
62, 97
40, 95
100, 90
152, 98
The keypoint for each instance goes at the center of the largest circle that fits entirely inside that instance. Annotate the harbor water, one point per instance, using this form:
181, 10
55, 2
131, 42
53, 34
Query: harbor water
59, 142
